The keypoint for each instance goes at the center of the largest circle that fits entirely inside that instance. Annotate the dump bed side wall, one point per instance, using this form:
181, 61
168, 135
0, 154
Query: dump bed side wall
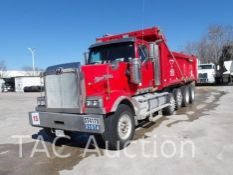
176, 68
188, 65
176, 71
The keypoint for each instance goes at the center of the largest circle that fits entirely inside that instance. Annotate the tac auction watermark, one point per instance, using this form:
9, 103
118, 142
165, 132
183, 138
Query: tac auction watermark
155, 147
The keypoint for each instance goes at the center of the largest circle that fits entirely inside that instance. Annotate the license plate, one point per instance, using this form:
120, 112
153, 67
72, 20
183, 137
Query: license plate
35, 118
92, 123
59, 133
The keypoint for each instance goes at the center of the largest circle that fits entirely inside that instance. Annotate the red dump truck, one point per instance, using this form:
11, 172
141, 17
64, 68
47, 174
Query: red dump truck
126, 79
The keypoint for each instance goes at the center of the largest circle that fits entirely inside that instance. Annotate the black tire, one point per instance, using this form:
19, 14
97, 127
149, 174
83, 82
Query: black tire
178, 97
26, 89
217, 80
229, 80
191, 93
113, 135
169, 110
185, 94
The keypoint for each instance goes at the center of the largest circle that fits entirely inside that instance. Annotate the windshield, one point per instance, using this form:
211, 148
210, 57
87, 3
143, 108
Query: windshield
205, 67
111, 52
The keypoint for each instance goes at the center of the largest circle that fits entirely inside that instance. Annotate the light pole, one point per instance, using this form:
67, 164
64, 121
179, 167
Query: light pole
32, 50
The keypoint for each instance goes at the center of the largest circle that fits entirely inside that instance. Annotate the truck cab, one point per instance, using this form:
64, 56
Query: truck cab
126, 78
206, 73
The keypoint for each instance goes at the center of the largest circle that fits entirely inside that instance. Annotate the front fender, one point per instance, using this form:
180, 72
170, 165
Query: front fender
120, 99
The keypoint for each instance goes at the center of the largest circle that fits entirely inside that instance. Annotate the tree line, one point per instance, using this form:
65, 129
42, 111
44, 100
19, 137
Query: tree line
216, 45
28, 69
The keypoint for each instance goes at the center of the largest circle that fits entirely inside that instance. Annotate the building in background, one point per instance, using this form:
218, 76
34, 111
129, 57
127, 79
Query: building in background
1, 83
15, 73
27, 81
18, 80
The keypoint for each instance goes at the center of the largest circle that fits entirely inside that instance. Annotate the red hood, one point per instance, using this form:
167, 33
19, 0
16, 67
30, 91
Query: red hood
95, 78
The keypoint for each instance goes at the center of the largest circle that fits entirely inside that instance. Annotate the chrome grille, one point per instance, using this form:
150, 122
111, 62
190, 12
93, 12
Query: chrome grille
62, 90
202, 75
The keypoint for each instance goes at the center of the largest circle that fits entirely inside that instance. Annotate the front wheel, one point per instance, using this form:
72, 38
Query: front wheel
119, 128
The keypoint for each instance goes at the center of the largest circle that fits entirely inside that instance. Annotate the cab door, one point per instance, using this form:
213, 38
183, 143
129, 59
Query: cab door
146, 67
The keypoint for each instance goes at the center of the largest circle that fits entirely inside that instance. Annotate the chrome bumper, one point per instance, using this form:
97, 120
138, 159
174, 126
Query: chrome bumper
68, 122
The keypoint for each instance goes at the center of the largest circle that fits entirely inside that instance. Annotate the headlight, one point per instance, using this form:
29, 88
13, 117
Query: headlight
41, 101
94, 103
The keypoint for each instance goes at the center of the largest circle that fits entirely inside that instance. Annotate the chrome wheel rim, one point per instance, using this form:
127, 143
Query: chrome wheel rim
172, 104
179, 98
193, 94
187, 96
124, 127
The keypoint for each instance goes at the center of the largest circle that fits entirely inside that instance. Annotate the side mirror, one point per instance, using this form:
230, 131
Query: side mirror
86, 56
135, 71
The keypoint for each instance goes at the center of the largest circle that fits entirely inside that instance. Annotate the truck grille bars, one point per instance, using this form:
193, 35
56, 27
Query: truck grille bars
63, 90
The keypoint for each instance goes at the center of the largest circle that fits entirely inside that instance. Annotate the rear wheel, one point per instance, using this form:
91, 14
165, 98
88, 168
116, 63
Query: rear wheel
119, 128
185, 94
169, 110
191, 93
178, 97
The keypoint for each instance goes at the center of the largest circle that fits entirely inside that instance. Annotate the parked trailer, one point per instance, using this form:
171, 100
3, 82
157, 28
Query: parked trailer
126, 78
224, 72
23, 82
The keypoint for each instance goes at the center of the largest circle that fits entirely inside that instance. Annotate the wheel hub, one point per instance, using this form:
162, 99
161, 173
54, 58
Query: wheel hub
173, 104
187, 96
179, 98
193, 95
124, 127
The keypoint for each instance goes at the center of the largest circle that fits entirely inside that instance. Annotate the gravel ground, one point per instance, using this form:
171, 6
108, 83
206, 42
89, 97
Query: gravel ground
159, 147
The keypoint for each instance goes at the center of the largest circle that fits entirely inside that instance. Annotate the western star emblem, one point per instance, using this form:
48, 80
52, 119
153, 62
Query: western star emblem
104, 77
59, 70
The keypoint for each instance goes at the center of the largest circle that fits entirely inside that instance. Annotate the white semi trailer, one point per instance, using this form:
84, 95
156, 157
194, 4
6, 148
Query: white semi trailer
211, 74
